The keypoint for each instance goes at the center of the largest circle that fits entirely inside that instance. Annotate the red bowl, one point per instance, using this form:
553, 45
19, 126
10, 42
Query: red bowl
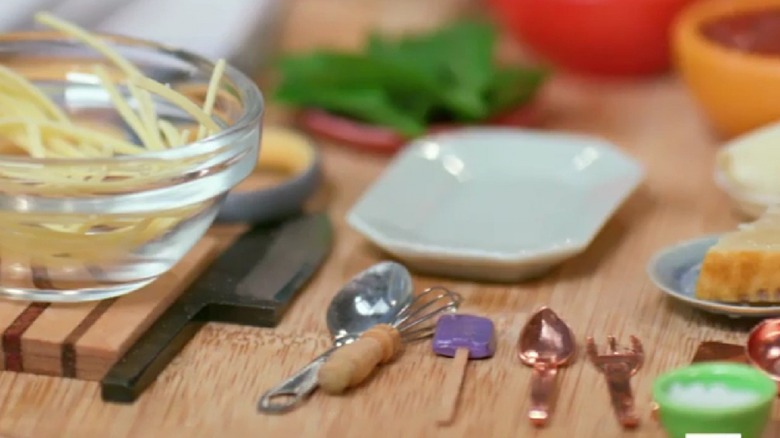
594, 37
381, 139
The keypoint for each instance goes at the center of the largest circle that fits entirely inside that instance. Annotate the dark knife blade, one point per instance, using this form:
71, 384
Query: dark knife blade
251, 283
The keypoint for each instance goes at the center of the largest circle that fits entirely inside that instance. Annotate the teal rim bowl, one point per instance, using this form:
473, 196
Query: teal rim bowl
749, 419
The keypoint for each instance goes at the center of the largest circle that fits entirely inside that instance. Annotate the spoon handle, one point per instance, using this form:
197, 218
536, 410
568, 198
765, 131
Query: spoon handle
542, 387
353, 363
452, 386
295, 389
619, 383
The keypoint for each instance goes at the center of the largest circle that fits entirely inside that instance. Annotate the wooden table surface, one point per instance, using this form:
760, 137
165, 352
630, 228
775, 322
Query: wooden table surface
211, 389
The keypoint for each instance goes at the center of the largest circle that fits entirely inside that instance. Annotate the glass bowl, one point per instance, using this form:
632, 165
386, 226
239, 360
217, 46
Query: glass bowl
63, 240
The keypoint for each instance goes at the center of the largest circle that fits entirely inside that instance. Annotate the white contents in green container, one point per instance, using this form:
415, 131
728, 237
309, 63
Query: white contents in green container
713, 395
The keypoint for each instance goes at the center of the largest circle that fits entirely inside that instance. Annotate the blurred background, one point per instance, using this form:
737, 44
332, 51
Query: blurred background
603, 41
243, 31
247, 32
604, 36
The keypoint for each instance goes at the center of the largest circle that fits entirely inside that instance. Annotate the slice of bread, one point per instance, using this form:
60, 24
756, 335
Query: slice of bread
744, 266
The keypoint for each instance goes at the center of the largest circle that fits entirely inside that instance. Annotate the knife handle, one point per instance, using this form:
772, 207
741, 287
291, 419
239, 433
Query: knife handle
151, 353
353, 363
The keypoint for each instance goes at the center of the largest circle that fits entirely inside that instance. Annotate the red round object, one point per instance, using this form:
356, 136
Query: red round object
594, 37
381, 139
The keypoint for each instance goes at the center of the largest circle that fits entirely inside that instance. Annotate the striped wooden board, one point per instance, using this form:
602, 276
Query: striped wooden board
84, 340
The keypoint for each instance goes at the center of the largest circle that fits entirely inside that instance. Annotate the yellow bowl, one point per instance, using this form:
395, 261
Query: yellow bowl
737, 90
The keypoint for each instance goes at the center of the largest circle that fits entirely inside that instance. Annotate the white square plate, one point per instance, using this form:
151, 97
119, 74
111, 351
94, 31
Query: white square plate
494, 203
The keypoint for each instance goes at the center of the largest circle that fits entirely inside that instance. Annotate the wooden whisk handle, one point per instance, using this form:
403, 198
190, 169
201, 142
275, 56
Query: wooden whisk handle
353, 363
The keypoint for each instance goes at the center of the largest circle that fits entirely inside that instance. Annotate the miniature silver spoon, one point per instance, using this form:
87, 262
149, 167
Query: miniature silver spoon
374, 296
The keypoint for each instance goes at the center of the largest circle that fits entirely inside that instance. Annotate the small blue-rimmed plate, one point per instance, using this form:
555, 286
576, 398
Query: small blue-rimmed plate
675, 271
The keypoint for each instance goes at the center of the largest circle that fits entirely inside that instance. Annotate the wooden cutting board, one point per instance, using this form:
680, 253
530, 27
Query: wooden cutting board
83, 340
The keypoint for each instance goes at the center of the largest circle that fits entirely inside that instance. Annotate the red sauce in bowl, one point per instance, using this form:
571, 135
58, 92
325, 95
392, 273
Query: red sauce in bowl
754, 32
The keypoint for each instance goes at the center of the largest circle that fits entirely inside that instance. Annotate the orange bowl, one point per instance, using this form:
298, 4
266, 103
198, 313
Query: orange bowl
737, 90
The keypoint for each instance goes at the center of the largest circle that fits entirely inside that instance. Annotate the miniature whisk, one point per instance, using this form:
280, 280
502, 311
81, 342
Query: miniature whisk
352, 364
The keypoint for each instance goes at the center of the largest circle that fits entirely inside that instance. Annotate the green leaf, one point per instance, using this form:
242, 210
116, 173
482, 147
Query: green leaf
369, 105
397, 76
469, 54
408, 83
512, 87
459, 58
337, 69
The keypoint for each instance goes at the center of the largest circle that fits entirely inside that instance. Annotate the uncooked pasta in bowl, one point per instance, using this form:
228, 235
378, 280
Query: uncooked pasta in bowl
115, 156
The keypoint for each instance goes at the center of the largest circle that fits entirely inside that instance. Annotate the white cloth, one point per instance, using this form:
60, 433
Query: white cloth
242, 31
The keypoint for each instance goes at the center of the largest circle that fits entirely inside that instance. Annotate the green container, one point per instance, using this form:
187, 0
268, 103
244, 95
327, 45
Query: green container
748, 419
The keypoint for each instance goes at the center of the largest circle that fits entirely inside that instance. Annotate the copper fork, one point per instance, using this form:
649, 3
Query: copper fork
618, 365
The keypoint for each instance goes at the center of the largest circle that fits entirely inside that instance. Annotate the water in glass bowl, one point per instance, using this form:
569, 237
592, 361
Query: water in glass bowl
64, 239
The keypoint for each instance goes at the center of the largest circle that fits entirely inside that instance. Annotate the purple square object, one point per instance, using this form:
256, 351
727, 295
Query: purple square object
475, 333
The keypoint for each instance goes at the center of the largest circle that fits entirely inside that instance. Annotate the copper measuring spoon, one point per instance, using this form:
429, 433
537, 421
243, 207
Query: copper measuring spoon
546, 343
763, 348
